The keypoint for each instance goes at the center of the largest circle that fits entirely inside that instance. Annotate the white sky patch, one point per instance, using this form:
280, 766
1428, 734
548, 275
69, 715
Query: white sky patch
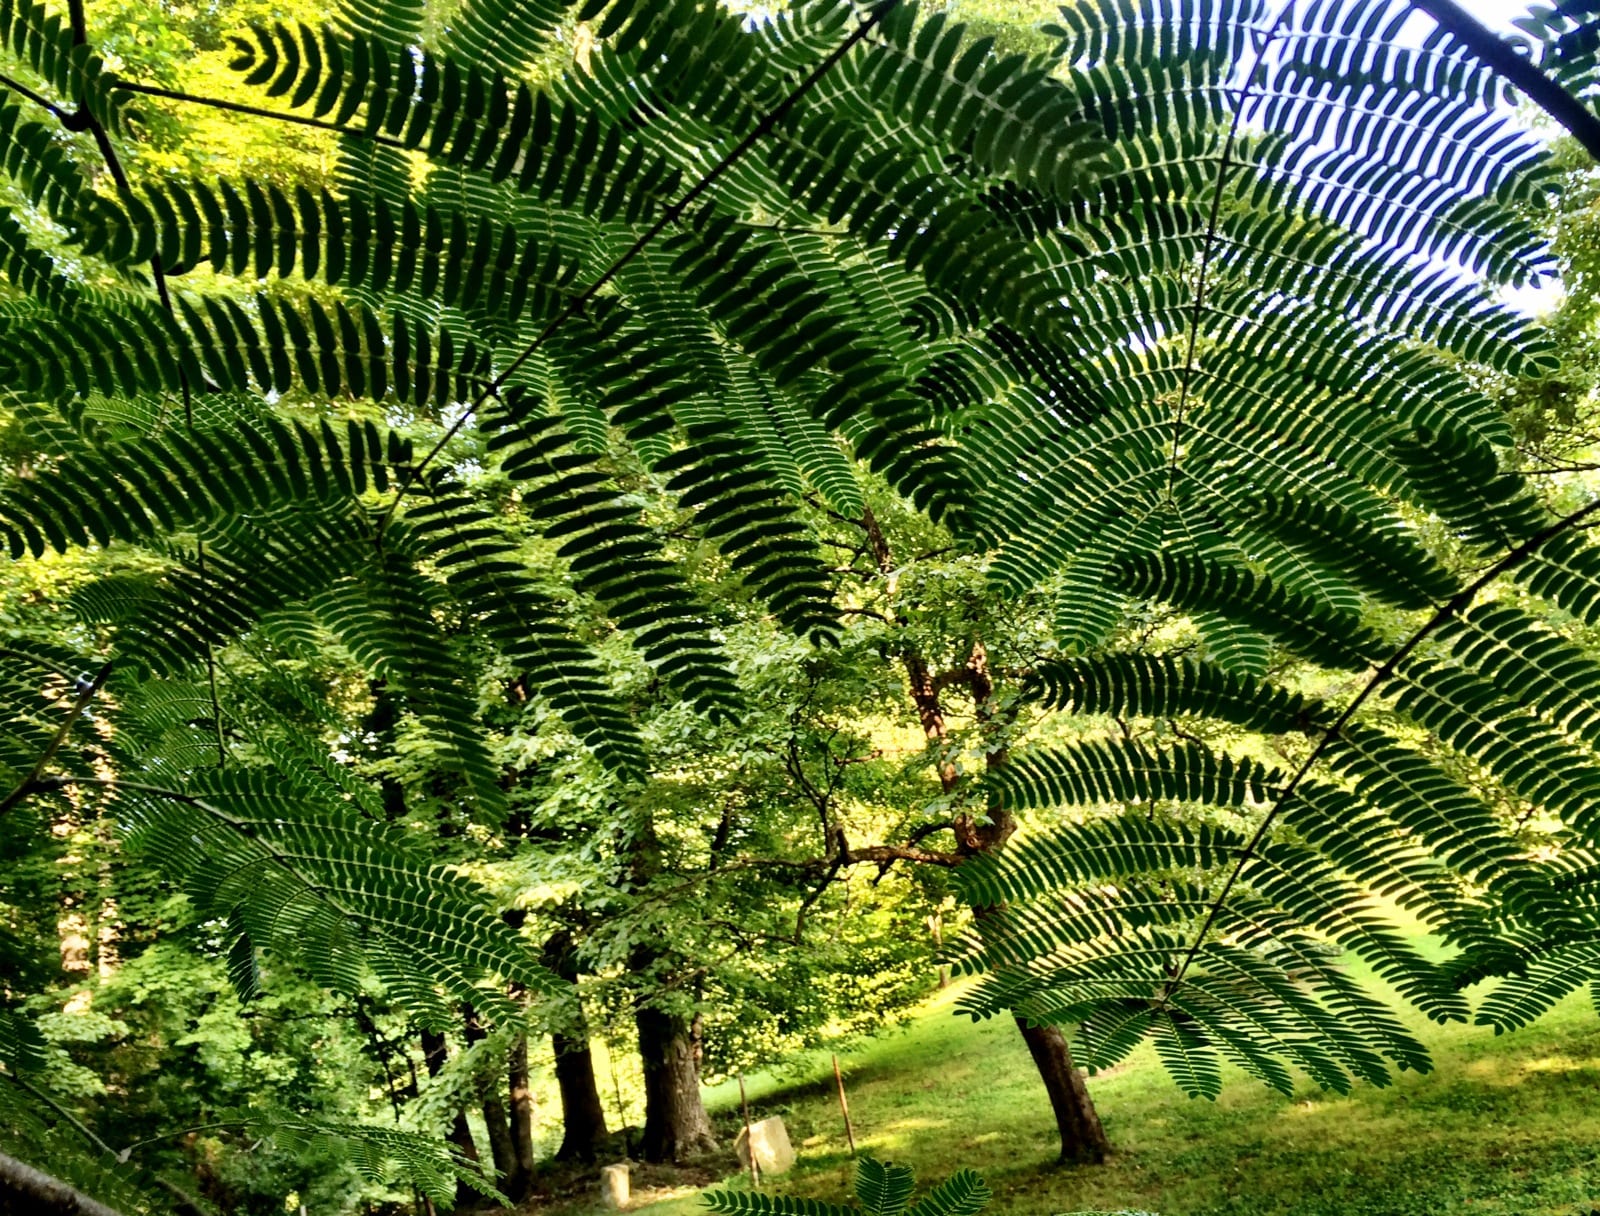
1498, 16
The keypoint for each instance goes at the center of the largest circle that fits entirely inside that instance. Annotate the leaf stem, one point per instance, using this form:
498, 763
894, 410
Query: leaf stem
239, 107
1443, 613
667, 218
86, 119
86, 693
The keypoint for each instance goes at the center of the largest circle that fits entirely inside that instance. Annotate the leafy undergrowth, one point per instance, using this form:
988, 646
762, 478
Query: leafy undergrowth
1506, 1126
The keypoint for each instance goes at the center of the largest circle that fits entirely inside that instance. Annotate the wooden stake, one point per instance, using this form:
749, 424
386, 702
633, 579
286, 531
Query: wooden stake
749, 1149
844, 1106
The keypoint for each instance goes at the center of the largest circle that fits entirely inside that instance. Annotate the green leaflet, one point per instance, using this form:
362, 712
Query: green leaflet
1119, 771
76, 73
1093, 851
134, 490
22, 1047
483, 570
460, 114
371, 246
383, 613
1297, 621
1151, 686
881, 1189
309, 880
612, 555
434, 1167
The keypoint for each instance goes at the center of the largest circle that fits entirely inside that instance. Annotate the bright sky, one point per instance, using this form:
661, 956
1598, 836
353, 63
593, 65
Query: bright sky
1497, 15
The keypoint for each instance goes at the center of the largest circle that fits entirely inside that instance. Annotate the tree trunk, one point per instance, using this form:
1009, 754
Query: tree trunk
676, 1125
583, 1118
434, 1053
1083, 1140
500, 1146
495, 1122
519, 1185
25, 1189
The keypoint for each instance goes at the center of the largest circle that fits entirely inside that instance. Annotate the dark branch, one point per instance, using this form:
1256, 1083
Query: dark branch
670, 216
86, 693
1446, 611
881, 853
236, 107
1502, 58
1225, 166
25, 1189
22, 90
84, 119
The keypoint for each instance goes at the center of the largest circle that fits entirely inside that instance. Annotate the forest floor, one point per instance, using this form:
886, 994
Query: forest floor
1506, 1126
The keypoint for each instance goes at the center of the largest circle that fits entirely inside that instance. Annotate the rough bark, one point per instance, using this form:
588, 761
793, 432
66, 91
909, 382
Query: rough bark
493, 1108
26, 1191
434, 1053
676, 1125
520, 1181
499, 1128
583, 1118
1082, 1138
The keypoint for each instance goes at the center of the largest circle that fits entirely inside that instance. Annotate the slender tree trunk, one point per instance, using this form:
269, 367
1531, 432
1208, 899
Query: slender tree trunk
520, 1184
676, 1125
495, 1122
434, 1053
1083, 1140
499, 1129
583, 1117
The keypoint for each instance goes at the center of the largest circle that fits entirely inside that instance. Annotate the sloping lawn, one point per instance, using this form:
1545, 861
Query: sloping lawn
1506, 1126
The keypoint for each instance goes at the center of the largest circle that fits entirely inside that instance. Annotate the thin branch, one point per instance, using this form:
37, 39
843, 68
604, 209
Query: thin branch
86, 120
789, 230
236, 107
183, 1131
1553, 470
1502, 58
22, 90
881, 853
870, 612
86, 693
187, 1200
1445, 612
65, 1115
1225, 166
668, 217
930, 829
816, 894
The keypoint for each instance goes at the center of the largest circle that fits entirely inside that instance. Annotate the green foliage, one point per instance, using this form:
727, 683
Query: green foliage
881, 1189
1188, 321
300, 875
434, 1168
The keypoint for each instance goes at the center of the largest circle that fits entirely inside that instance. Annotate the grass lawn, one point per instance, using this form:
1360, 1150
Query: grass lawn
1506, 1126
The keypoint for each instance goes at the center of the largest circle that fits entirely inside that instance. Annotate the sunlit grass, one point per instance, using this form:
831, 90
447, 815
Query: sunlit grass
1503, 1126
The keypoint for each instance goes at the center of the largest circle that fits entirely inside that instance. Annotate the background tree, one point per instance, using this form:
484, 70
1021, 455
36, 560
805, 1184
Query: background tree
541, 387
